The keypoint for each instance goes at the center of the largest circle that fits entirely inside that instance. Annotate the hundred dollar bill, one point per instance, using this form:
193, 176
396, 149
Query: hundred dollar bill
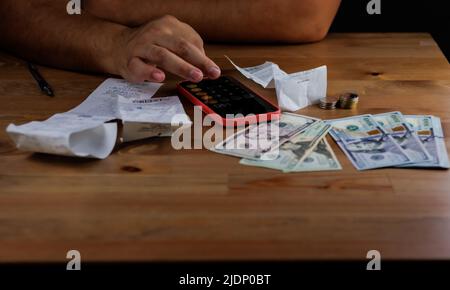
256, 140
366, 143
294, 151
355, 128
429, 130
395, 124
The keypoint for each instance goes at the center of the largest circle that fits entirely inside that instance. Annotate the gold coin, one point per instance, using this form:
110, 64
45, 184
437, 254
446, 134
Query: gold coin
348, 101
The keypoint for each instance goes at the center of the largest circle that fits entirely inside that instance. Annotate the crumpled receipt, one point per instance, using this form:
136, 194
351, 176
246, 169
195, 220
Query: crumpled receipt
86, 131
294, 91
67, 134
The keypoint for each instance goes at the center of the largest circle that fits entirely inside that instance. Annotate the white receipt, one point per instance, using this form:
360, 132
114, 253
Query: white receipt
83, 131
67, 134
144, 118
103, 101
294, 91
263, 74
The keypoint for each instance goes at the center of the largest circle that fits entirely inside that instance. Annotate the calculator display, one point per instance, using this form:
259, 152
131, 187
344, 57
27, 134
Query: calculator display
226, 96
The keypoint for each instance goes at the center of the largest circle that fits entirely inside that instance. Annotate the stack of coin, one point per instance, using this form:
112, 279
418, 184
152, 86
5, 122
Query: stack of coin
329, 103
348, 101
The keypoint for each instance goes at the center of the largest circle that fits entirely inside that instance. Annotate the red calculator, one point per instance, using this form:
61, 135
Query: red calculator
229, 102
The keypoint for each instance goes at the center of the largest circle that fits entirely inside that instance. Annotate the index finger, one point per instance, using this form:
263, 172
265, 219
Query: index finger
190, 53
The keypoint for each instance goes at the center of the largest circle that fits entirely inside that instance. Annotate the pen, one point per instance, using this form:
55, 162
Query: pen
45, 87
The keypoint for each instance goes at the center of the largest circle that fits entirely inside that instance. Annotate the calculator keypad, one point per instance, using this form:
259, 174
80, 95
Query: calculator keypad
228, 96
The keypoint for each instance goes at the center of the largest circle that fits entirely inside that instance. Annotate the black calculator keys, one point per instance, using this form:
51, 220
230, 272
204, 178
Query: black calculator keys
227, 96
235, 97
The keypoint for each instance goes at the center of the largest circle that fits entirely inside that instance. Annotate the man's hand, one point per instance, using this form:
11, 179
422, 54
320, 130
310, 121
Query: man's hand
163, 44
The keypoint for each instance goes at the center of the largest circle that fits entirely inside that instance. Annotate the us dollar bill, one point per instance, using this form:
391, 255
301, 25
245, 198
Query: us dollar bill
293, 151
396, 125
366, 143
255, 141
322, 158
429, 130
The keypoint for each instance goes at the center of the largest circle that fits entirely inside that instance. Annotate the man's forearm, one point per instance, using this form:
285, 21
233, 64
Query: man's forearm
42, 31
230, 20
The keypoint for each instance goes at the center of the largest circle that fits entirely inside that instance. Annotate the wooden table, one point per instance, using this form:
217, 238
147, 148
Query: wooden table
148, 202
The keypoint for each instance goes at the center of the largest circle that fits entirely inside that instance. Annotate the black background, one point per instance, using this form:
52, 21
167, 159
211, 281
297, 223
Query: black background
284, 275
397, 16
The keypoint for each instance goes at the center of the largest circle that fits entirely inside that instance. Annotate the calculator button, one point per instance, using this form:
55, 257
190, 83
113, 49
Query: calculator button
236, 98
218, 106
201, 94
196, 90
248, 96
191, 86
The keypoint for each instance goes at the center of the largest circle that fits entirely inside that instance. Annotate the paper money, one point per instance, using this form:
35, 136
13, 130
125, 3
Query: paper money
366, 143
301, 145
395, 124
321, 159
256, 140
304, 152
429, 130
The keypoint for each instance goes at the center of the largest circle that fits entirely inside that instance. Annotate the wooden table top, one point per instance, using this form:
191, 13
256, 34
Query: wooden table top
148, 202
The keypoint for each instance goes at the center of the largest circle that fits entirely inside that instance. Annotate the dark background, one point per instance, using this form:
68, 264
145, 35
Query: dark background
397, 16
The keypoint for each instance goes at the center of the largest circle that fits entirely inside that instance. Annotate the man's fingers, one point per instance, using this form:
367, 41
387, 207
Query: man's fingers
139, 71
190, 53
170, 62
170, 45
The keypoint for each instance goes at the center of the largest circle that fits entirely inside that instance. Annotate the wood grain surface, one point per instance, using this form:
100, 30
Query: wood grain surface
149, 202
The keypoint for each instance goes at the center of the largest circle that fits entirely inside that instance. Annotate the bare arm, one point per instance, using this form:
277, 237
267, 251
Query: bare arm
230, 20
42, 31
